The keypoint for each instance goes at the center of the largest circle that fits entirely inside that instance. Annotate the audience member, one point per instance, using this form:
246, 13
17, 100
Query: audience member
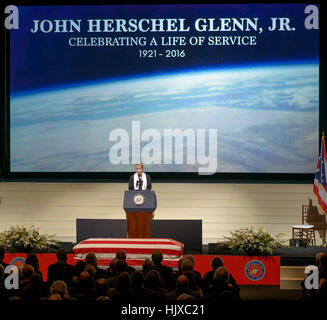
61, 270
215, 263
188, 265
147, 266
182, 286
85, 287
121, 255
112, 270
28, 271
165, 272
101, 287
33, 260
33, 290
154, 286
121, 266
138, 290
122, 289
93, 260
221, 289
59, 287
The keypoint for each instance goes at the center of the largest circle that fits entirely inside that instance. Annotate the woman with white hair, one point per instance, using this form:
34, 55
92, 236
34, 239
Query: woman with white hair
139, 180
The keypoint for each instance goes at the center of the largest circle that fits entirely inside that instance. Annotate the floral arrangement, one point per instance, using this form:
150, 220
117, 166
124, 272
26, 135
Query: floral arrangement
253, 242
22, 239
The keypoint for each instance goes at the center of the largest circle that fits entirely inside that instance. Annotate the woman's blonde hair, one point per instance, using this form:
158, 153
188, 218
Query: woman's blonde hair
139, 164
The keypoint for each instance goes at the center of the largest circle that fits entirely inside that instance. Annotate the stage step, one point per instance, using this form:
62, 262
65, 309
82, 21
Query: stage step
291, 277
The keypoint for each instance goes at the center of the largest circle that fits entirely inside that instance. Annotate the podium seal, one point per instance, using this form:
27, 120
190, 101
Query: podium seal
139, 199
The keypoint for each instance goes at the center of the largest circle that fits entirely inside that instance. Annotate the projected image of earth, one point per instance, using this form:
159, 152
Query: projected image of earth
266, 118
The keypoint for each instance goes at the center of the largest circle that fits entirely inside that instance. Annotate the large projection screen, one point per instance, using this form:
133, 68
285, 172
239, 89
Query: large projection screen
203, 89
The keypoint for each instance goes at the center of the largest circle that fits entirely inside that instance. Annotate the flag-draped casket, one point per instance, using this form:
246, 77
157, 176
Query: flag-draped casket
137, 250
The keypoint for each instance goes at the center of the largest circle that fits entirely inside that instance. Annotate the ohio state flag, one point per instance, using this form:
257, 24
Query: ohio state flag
320, 186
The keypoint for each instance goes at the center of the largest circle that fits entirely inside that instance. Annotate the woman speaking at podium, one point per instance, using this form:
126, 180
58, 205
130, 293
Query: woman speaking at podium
139, 180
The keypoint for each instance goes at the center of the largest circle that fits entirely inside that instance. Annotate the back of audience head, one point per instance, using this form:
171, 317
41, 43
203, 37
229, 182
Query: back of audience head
59, 287
191, 258
61, 255
180, 262
91, 258
28, 271
182, 283
157, 257
123, 282
187, 265
32, 260
153, 280
36, 281
121, 255
147, 266
80, 266
221, 276
101, 287
216, 262
137, 280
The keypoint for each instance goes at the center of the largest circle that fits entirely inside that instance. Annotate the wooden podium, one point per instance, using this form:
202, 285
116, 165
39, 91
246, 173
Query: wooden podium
139, 207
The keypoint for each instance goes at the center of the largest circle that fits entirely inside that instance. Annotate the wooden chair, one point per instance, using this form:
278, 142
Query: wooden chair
304, 231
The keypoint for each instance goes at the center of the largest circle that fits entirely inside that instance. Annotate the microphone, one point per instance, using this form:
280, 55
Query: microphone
139, 183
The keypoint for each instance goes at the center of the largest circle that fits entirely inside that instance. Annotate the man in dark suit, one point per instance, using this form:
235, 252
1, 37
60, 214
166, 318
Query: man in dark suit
166, 273
139, 180
61, 270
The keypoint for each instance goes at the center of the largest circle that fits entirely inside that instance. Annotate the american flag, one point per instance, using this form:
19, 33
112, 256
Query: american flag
136, 250
320, 186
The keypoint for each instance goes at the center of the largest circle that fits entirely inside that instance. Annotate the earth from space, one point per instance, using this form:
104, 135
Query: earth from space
267, 119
